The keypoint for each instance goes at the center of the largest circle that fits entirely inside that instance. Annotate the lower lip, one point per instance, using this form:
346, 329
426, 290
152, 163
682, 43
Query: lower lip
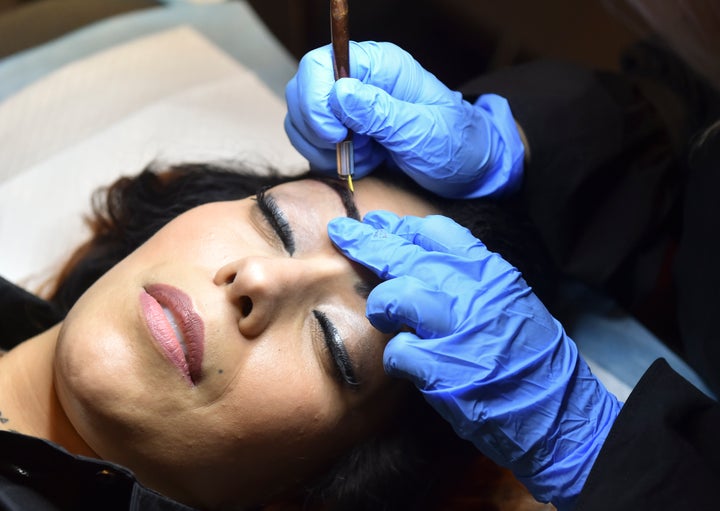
164, 334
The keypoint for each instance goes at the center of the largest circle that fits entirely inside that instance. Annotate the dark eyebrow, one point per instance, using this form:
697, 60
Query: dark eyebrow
346, 196
364, 287
338, 352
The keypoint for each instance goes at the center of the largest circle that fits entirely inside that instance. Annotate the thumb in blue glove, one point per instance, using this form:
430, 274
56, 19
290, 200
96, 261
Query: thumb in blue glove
484, 351
403, 113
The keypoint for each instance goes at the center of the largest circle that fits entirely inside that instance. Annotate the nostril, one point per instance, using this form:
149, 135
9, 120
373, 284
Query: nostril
246, 306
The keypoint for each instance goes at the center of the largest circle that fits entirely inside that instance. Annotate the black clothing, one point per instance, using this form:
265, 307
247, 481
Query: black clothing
662, 452
22, 315
696, 266
36, 475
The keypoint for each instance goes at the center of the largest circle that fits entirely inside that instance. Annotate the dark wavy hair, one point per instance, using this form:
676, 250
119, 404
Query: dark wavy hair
417, 453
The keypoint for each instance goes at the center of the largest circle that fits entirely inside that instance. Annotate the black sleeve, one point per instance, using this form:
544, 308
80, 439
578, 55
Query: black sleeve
697, 274
663, 451
22, 315
602, 178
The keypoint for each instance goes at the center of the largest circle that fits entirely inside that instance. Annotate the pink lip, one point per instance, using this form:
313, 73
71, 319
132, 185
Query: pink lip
155, 298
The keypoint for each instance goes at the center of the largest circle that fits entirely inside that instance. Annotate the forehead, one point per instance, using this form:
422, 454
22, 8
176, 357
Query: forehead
370, 194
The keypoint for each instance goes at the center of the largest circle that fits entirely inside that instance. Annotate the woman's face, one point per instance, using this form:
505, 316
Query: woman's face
229, 357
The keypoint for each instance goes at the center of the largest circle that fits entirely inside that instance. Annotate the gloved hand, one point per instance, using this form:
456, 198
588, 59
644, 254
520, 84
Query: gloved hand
484, 351
400, 111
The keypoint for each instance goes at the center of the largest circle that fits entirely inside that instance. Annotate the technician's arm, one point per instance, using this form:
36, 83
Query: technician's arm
662, 454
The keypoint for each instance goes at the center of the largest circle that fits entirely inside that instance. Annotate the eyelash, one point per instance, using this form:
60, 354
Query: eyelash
343, 370
277, 220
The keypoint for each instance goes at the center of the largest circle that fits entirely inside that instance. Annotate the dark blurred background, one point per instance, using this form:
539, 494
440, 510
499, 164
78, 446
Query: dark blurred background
455, 39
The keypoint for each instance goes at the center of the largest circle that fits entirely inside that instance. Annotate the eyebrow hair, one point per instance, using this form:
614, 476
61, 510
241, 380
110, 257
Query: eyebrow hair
346, 196
364, 287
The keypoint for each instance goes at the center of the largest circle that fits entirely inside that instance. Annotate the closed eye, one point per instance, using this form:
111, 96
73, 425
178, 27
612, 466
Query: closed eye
337, 350
275, 217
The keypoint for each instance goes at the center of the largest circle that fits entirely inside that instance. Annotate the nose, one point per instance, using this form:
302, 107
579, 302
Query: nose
265, 288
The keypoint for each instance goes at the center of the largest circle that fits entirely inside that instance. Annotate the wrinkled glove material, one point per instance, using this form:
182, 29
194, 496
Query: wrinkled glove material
484, 350
402, 114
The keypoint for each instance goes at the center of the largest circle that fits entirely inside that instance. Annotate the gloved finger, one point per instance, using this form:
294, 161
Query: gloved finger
369, 110
437, 146
321, 157
400, 126
402, 359
309, 111
382, 64
411, 302
388, 255
437, 233
433, 369
306, 95
435, 363
392, 69
447, 246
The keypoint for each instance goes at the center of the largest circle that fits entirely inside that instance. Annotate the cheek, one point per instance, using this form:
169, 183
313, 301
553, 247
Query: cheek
192, 249
278, 388
93, 358
279, 406
210, 235
101, 388
284, 398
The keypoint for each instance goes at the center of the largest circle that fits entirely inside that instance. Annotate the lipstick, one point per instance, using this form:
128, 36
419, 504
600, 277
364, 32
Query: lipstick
176, 327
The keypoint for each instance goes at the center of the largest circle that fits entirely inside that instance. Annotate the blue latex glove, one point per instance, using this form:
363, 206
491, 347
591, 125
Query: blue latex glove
484, 351
400, 111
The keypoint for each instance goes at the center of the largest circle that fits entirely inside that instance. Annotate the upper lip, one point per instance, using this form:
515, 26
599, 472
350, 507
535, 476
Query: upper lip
188, 321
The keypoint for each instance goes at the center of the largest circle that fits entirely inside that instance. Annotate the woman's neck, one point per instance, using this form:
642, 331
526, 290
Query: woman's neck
28, 402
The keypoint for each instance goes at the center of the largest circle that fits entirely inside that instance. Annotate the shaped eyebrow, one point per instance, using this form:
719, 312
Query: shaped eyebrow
346, 197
